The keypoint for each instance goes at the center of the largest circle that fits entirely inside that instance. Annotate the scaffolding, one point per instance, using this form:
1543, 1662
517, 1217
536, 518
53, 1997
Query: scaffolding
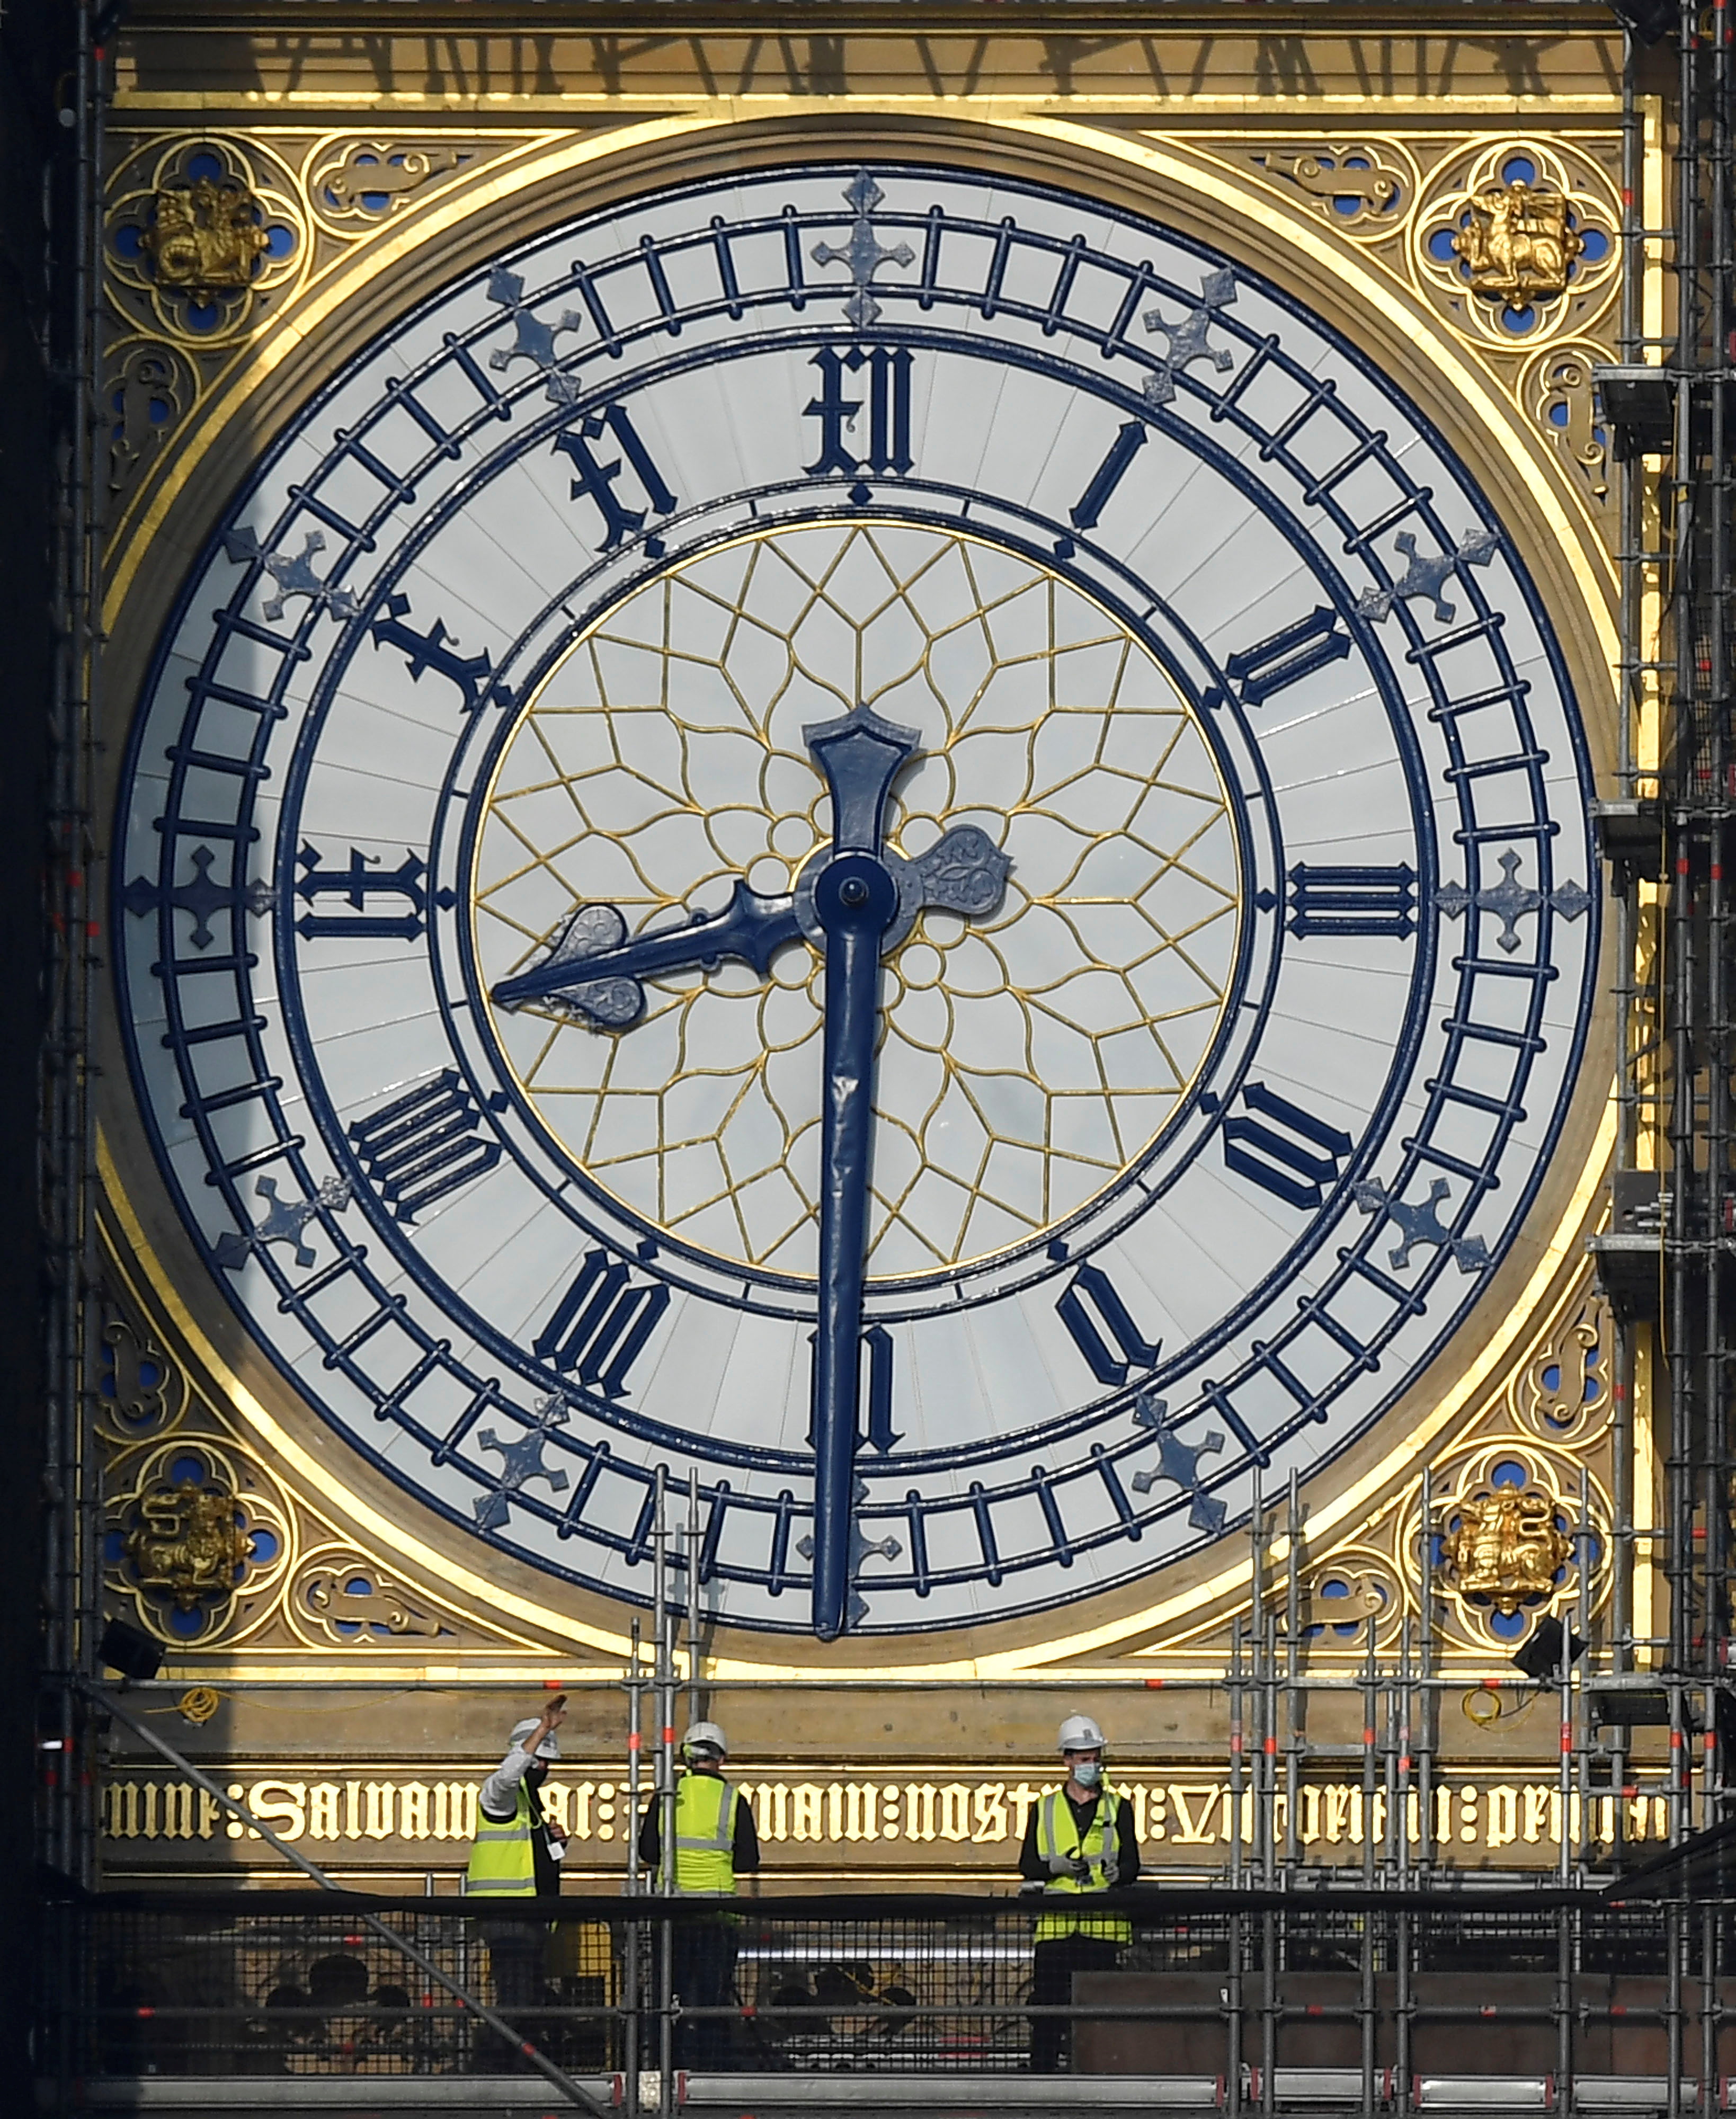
71, 1590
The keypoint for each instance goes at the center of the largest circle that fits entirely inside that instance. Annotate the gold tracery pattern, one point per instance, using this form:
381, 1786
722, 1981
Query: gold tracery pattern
1026, 1060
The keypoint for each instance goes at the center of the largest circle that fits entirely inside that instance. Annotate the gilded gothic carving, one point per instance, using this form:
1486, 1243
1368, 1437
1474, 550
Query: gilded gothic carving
187, 1541
1563, 1393
1506, 1547
149, 389
1558, 394
1518, 244
208, 1547
357, 184
198, 1538
1363, 188
341, 1597
205, 236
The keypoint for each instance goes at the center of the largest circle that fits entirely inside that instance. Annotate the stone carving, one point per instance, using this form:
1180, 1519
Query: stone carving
352, 1600
371, 176
207, 235
149, 390
1517, 243
1564, 404
1563, 1391
138, 1387
1353, 183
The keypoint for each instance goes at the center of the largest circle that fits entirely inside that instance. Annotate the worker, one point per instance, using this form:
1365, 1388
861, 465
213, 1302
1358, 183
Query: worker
715, 1843
1079, 1842
516, 1855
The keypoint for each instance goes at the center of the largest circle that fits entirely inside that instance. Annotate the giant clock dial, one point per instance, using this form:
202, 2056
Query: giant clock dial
890, 841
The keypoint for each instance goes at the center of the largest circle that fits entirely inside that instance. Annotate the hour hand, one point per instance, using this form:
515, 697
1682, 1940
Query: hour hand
594, 971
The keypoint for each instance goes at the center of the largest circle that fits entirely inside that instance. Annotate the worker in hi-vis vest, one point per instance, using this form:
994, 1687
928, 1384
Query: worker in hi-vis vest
1079, 1842
516, 1856
715, 1842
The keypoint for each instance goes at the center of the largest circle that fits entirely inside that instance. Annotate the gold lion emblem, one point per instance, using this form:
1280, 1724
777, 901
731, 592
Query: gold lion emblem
1518, 244
206, 236
1505, 1545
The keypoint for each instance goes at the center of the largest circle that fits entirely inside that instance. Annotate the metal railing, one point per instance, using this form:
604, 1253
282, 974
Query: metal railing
1246, 2000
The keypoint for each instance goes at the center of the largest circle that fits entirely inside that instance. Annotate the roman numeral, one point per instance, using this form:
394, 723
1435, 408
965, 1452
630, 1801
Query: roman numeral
597, 481
1283, 1149
888, 412
876, 1393
362, 880
1352, 901
423, 1146
600, 1326
1087, 510
434, 650
1105, 1329
1291, 654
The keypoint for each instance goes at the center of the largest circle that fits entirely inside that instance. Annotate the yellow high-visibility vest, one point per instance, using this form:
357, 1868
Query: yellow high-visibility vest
705, 1837
1057, 1833
502, 1864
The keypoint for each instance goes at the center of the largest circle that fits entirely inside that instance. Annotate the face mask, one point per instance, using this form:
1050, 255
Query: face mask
1088, 1774
535, 1774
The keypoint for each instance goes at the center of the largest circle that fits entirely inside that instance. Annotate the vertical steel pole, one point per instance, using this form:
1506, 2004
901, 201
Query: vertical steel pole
667, 1999
1430, 1711
631, 1967
694, 1548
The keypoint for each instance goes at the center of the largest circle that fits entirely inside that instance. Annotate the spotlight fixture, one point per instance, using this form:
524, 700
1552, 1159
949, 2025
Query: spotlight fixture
134, 1654
1649, 20
1539, 1655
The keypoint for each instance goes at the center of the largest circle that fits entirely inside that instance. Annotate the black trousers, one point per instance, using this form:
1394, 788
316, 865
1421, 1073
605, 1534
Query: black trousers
1053, 1965
515, 1956
703, 1973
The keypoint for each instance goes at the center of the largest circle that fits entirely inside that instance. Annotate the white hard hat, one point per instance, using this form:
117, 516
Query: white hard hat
1078, 1732
705, 1735
547, 1749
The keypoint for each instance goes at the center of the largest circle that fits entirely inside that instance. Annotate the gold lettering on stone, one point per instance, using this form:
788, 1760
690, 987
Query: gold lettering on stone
860, 1812
413, 1811
989, 1808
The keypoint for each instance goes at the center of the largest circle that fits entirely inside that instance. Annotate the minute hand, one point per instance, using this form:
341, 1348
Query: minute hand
855, 900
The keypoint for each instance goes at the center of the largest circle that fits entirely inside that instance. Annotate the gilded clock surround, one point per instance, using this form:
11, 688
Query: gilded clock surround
452, 195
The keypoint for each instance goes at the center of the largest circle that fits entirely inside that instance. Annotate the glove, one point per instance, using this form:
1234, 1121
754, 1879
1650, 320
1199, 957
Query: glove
1064, 1865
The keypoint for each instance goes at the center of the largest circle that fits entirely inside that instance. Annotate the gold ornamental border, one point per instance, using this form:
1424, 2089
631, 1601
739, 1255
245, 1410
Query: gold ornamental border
504, 205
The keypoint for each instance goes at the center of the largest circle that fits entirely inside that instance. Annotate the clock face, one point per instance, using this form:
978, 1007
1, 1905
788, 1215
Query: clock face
484, 1004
